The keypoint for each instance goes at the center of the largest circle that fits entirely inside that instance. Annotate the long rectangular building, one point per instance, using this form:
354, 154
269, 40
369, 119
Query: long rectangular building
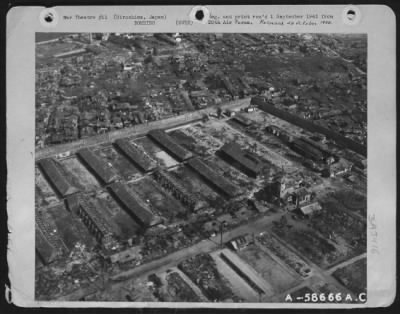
136, 155
100, 168
53, 174
307, 150
169, 183
244, 161
133, 205
164, 140
213, 178
96, 222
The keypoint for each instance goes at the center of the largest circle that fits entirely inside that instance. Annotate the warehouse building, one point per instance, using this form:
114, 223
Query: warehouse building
98, 166
136, 155
307, 150
278, 132
96, 223
241, 119
169, 183
244, 161
53, 174
213, 178
170, 145
134, 205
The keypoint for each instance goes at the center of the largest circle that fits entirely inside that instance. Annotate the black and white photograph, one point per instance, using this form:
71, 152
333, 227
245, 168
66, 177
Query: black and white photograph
201, 167
201, 157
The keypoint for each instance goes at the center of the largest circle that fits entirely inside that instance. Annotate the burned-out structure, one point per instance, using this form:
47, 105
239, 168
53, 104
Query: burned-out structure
136, 155
134, 206
213, 178
243, 160
165, 141
169, 183
51, 170
98, 166
97, 223
279, 133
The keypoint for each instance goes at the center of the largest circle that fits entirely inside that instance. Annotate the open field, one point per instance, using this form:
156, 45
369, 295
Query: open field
353, 276
270, 243
79, 175
352, 201
276, 273
314, 247
157, 199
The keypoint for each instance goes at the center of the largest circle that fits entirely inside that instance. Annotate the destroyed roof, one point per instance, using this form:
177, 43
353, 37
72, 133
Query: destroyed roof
133, 204
98, 166
308, 149
96, 217
55, 177
136, 155
170, 145
310, 208
242, 119
213, 177
249, 162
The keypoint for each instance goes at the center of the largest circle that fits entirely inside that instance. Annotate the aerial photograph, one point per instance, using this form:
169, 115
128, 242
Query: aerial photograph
201, 167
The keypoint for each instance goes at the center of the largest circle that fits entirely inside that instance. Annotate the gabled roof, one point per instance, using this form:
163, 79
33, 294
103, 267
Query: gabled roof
56, 178
170, 145
133, 204
136, 155
98, 165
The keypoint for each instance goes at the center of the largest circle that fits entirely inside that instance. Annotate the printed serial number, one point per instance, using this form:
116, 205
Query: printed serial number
331, 297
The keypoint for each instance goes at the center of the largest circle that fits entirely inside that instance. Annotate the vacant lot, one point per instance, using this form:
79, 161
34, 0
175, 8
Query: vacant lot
353, 201
314, 247
79, 175
353, 276
280, 277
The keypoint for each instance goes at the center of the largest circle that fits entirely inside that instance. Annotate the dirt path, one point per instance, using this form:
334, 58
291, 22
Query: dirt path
346, 263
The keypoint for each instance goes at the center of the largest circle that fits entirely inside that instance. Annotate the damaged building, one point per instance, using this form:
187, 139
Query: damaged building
56, 179
244, 161
136, 155
177, 190
98, 166
134, 206
97, 224
165, 141
213, 178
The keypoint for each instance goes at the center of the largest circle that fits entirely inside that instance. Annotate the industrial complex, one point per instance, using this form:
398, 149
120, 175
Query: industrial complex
178, 171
